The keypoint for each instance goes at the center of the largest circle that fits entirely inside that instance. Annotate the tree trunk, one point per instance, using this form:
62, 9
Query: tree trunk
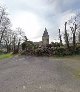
66, 36
74, 37
79, 38
74, 42
18, 46
14, 46
60, 38
2, 35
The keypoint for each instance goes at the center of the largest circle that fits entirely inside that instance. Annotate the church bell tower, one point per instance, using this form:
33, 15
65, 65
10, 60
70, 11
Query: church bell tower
45, 38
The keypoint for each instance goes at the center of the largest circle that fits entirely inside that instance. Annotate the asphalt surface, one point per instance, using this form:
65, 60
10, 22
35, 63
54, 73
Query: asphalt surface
38, 74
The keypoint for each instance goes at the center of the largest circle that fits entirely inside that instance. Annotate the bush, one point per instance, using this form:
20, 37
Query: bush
59, 51
44, 52
39, 52
15, 51
23, 52
3, 52
77, 50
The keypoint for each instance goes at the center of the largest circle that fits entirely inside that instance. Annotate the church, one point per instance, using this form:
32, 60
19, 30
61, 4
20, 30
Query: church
45, 39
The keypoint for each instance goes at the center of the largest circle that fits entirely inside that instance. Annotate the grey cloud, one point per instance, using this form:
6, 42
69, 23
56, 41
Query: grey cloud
49, 11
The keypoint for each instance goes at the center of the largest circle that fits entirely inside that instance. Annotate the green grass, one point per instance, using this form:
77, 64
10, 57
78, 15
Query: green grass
76, 73
73, 57
4, 56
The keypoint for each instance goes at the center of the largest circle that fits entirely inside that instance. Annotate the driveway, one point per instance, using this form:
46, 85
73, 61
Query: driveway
39, 74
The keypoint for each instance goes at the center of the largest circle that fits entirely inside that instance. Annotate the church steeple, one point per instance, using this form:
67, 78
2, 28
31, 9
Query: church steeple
45, 29
45, 32
45, 37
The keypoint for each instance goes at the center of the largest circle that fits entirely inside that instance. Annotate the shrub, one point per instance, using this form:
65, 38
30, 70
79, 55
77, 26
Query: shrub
15, 51
48, 51
3, 52
77, 50
59, 51
39, 52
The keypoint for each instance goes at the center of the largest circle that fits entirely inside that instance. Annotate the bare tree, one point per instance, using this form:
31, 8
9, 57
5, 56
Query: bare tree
73, 29
66, 36
4, 23
19, 36
74, 24
60, 37
79, 37
8, 39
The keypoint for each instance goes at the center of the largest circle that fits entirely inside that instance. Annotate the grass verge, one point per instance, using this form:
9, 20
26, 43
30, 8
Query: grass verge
73, 57
77, 73
4, 56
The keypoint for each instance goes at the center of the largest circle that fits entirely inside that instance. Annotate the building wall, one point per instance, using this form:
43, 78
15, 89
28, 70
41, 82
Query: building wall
45, 40
38, 43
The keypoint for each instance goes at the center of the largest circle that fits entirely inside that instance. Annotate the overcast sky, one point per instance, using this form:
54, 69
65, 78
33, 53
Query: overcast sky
34, 15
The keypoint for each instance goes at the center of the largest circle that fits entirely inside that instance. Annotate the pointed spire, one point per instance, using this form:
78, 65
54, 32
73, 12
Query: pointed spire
45, 32
45, 29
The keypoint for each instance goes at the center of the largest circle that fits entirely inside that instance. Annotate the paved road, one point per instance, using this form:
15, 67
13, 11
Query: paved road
38, 74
